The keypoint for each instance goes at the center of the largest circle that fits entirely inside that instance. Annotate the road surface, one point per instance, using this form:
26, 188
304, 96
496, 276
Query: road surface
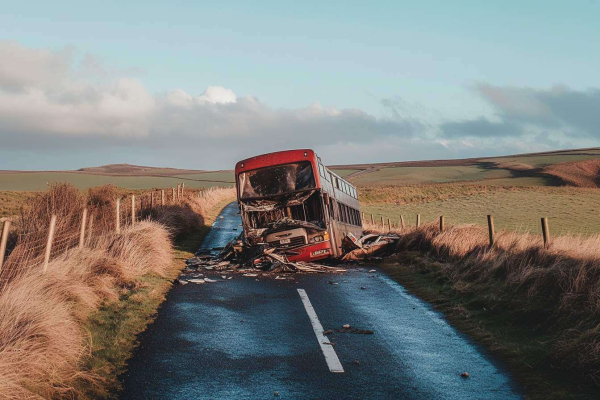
249, 338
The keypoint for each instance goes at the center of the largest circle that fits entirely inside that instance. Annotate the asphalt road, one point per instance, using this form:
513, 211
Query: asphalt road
249, 338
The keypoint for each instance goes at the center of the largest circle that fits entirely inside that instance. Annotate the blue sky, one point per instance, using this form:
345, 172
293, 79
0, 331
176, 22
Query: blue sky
398, 73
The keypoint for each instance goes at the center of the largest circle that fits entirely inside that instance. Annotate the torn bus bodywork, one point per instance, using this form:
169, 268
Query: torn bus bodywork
288, 223
290, 201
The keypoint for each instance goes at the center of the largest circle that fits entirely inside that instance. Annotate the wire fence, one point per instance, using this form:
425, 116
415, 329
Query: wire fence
31, 242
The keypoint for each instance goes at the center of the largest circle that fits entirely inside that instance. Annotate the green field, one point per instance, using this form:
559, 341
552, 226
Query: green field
521, 170
570, 210
542, 161
33, 181
416, 175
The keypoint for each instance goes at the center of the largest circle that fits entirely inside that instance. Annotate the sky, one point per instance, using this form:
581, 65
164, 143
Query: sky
200, 85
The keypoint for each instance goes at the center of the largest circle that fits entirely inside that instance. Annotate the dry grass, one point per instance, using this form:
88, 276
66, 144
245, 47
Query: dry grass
555, 289
581, 174
44, 336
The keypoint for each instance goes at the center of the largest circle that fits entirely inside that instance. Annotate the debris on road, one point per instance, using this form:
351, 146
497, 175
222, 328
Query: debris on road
347, 328
239, 256
251, 257
368, 246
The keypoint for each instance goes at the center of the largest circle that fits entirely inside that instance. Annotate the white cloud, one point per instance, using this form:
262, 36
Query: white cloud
48, 101
217, 95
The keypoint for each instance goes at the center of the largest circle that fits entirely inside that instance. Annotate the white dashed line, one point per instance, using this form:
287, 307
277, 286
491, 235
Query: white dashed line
333, 362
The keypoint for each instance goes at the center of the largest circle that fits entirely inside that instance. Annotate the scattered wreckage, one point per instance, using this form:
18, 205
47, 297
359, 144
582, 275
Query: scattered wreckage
368, 246
242, 257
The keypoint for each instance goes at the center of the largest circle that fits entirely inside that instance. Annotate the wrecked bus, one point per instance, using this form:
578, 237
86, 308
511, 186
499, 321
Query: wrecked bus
291, 201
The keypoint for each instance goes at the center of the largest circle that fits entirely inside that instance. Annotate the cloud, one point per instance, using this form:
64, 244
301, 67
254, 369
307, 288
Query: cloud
56, 102
575, 113
23, 68
480, 127
59, 103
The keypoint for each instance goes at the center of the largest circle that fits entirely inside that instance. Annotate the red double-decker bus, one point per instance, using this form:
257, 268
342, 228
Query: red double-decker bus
291, 201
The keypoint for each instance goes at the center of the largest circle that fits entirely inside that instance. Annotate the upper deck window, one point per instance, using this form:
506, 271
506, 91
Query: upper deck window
276, 180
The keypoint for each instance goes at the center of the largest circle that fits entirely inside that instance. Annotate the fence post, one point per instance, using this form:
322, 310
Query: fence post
401, 221
389, 225
118, 222
82, 230
3, 240
133, 210
363, 215
182, 187
162, 197
152, 200
491, 229
372, 220
173, 194
441, 223
382, 223
545, 232
49, 243
418, 220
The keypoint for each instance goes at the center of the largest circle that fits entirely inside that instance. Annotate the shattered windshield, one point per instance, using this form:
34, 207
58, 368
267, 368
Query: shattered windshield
276, 180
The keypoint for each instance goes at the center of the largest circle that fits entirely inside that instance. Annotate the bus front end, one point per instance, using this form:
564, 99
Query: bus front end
281, 204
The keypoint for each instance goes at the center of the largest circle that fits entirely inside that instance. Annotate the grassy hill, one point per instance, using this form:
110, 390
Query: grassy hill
121, 175
517, 190
536, 169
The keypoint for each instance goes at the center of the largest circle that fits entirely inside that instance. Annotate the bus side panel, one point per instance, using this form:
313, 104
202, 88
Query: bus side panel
340, 230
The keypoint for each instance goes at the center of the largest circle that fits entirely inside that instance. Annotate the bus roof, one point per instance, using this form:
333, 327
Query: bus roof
276, 158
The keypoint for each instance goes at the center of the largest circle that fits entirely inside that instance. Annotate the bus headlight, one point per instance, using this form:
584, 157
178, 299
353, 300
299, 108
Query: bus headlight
315, 239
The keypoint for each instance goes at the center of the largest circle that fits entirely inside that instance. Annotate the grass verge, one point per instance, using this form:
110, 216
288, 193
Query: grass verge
67, 330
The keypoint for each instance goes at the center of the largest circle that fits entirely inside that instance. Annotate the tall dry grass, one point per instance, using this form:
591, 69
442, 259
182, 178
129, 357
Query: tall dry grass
190, 212
554, 288
44, 342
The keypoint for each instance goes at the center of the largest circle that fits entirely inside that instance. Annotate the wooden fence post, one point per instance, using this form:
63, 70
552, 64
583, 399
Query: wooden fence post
441, 223
49, 243
491, 229
82, 230
118, 221
382, 223
545, 232
418, 220
401, 221
182, 187
3, 240
152, 200
389, 225
133, 210
162, 197
173, 194
372, 220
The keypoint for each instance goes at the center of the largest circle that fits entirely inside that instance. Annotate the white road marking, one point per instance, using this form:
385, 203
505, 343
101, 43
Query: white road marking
333, 362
